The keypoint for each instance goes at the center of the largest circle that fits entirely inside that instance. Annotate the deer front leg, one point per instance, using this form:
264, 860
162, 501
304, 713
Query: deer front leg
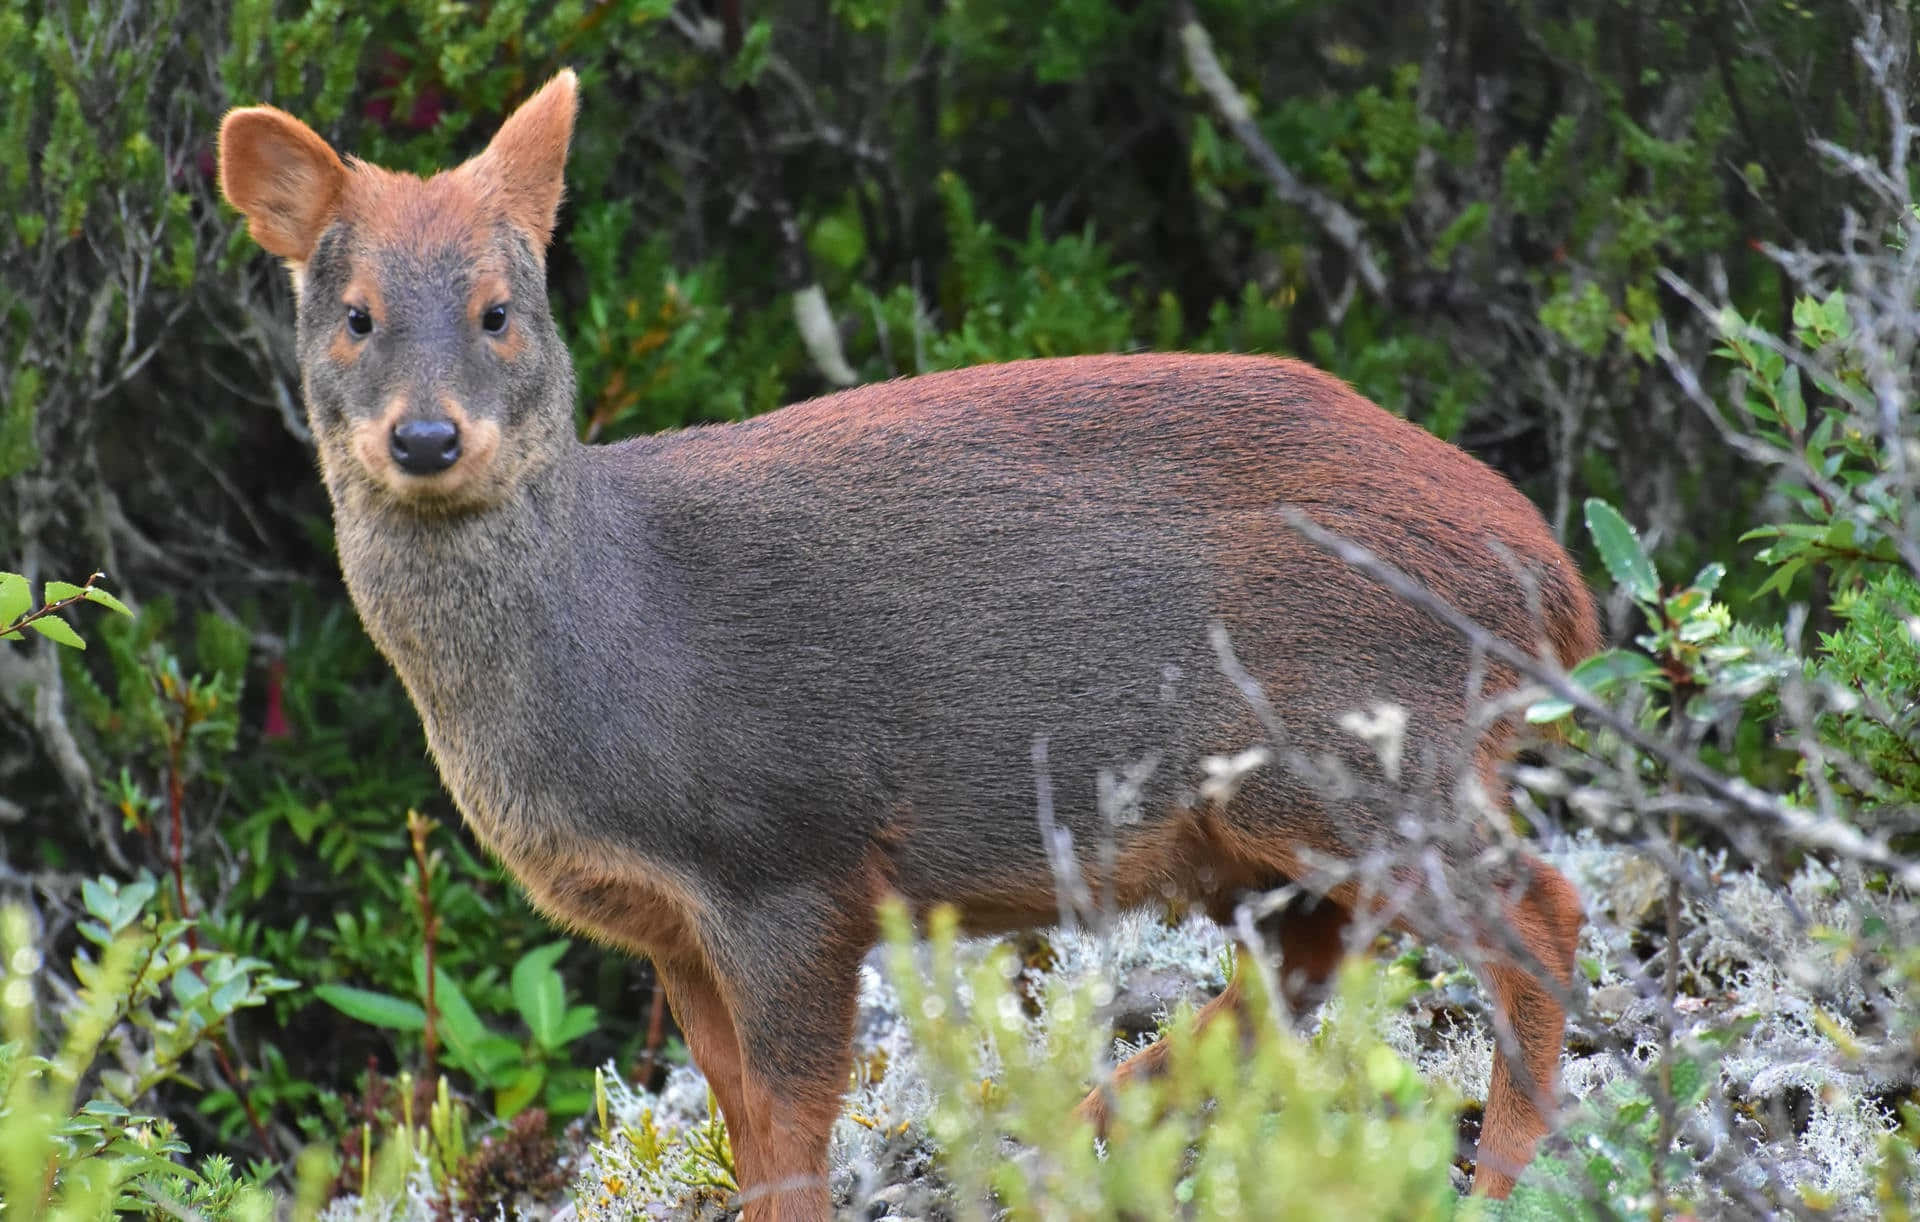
789, 980
707, 1023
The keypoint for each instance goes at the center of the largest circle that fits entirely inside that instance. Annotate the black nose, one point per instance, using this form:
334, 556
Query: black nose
422, 447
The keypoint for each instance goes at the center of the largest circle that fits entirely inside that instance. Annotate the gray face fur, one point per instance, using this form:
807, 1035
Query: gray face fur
394, 332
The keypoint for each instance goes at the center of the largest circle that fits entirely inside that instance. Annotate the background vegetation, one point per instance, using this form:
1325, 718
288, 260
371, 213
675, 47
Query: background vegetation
1661, 256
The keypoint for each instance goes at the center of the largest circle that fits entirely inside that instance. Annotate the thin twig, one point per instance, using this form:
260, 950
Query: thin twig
1339, 224
1744, 798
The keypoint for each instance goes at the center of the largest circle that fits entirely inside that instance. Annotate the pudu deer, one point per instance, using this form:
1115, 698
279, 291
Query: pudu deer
713, 694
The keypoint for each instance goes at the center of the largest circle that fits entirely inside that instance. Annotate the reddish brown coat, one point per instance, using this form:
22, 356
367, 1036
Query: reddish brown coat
713, 694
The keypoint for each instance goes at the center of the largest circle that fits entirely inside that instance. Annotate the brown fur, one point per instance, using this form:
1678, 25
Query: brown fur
474, 480
711, 695
284, 177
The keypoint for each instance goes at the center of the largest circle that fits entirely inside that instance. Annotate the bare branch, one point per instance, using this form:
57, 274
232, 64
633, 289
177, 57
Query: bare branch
1745, 801
1339, 224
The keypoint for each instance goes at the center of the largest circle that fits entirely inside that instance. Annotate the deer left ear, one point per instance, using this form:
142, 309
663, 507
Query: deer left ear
527, 159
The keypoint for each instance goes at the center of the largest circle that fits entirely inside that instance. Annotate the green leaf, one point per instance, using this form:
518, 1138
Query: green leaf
1689, 1081
58, 631
1707, 580
1684, 604
569, 1092
97, 895
460, 1028
1701, 628
1793, 407
1620, 548
1551, 709
1834, 313
519, 1091
1599, 674
16, 596
376, 1009
1805, 313
540, 993
60, 591
1605, 671
579, 1021
756, 52
97, 595
495, 1056
133, 899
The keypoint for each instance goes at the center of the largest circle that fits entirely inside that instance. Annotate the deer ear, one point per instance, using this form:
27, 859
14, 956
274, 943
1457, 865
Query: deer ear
286, 179
527, 159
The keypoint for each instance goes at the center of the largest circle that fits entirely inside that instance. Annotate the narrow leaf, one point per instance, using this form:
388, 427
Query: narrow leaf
579, 1021
540, 993
519, 1091
1551, 709
376, 1009
460, 1027
97, 595
60, 591
1793, 407
496, 1056
1605, 671
1620, 548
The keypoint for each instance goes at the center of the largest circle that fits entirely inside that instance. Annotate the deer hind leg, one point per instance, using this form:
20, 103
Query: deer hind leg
1310, 933
1312, 939
1544, 921
1096, 1108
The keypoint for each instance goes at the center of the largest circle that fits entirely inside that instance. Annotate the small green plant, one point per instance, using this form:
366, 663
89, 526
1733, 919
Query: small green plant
1841, 717
1840, 462
1612, 1143
1689, 648
1870, 667
633, 1159
394, 1141
517, 1071
146, 1000
17, 612
1269, 1126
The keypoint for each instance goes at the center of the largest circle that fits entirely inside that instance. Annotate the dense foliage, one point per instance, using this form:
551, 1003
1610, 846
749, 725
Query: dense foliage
1658, 263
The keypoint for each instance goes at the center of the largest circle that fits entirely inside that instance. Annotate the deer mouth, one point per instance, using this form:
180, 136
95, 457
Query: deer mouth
443, 458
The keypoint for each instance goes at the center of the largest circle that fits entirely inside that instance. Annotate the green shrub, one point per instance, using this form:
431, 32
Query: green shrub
1277, 1127
147, 999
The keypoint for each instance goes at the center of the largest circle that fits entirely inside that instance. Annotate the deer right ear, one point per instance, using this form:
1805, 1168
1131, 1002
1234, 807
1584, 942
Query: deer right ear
283, 177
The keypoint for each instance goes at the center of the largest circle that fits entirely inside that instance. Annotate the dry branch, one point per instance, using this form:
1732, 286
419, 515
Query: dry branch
1339, 224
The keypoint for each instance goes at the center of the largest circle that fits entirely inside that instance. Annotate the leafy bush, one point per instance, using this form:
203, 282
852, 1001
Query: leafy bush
517, 1070
1539, 192
1268, 1127
147, 1000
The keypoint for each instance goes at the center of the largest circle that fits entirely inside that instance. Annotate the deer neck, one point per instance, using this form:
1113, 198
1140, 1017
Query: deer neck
460, 604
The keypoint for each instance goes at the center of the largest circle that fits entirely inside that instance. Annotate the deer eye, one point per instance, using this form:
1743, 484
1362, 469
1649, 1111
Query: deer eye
359, 321
495, 319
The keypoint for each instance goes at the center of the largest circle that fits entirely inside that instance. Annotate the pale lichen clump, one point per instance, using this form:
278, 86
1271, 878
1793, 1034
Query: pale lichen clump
1783, 1023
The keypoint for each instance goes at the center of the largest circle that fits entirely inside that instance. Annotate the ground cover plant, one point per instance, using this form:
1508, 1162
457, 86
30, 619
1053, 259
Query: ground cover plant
1657, 263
